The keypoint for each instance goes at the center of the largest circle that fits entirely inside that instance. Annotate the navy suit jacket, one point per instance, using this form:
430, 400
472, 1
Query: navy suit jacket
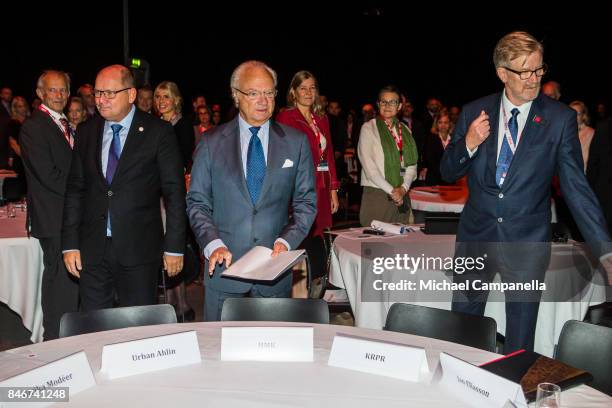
519, 211
150, 167
219, 205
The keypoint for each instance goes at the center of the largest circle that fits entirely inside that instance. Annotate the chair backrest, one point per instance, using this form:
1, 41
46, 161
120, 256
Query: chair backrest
275, 309
462, 328
588, 347
76, 323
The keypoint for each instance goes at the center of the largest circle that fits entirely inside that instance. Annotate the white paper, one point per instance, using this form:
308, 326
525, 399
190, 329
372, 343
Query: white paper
397, 229
267, 344
478, 387
72, 371
258, 264
150, 354
429, 193
380, 358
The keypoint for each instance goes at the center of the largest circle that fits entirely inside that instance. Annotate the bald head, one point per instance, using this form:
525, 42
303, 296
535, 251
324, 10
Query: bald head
120, 71
115, 86
552, 89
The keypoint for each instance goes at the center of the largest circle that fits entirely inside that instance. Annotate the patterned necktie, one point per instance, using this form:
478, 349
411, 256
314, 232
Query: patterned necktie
113, 153
505, 154
256, 165
67, 132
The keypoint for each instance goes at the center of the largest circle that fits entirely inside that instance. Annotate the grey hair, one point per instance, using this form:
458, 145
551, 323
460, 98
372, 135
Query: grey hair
237, 74
514, 45
40, 83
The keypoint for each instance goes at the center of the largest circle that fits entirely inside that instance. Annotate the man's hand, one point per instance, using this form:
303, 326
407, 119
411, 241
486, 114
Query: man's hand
72, 260
423, 174
397, 194
217, 257
478, 131
278, 248
334, 201
173, 264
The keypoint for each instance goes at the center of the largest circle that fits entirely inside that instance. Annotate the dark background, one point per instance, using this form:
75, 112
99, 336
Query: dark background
353, 48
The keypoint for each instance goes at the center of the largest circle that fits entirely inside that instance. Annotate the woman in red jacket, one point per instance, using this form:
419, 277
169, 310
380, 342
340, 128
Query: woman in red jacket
305, 113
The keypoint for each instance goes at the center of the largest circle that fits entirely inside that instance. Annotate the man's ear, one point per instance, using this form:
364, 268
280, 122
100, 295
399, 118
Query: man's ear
132, 94
502, 74
39, 93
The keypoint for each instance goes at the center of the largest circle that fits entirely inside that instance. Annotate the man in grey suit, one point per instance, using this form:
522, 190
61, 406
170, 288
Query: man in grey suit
246, 176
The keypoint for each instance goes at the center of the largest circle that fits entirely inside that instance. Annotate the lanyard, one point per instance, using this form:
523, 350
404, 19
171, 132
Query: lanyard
318, 134
398, 138
65, 128
507, 132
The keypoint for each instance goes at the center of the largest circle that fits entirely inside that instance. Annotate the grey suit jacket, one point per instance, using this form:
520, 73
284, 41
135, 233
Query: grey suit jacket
219, 206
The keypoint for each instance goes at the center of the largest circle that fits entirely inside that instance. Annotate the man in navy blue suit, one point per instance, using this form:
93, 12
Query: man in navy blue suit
510, 145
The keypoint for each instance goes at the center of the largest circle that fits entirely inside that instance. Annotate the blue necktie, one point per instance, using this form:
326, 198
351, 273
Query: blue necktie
505, 154
256, 165
113, 153
113, 160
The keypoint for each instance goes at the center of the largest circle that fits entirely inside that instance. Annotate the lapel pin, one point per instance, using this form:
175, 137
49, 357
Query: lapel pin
538, 119
140, 129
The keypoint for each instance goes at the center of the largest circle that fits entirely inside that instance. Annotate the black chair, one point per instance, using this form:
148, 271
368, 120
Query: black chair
276, 310
76, 323
588, 347
462, 328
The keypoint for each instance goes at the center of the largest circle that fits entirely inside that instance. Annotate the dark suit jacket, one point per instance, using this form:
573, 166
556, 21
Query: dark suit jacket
519, 211
219, 206
5, 148
419, 134
186, 140
433, 150
4, 112
599, 167
46, 156
149, 167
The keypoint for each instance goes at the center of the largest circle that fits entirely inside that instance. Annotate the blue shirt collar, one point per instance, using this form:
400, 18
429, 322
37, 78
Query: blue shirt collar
244, 127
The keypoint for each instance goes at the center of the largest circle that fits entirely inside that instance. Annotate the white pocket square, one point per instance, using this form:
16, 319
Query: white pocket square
287, 163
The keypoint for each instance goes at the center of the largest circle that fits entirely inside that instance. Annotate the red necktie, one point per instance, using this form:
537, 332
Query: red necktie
67, 133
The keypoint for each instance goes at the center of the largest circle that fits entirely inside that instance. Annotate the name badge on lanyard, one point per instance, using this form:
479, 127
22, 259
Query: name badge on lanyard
397, 137
323, 165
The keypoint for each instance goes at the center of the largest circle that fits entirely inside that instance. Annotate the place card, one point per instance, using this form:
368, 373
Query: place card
378, 357
267, 344
478, 387
150, 354
72, 371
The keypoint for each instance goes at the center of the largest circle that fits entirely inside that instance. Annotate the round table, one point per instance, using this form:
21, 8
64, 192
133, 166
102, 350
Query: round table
215, 383
21, 269
566, 271
438, 198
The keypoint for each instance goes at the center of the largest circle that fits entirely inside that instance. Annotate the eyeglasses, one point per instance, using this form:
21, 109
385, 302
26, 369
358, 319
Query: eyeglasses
525, 75
252, 94
392, 104
107, 93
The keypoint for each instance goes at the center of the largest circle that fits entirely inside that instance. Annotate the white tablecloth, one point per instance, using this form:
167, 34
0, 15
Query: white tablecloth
257, 384
438, 198
21, 267
346, 273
